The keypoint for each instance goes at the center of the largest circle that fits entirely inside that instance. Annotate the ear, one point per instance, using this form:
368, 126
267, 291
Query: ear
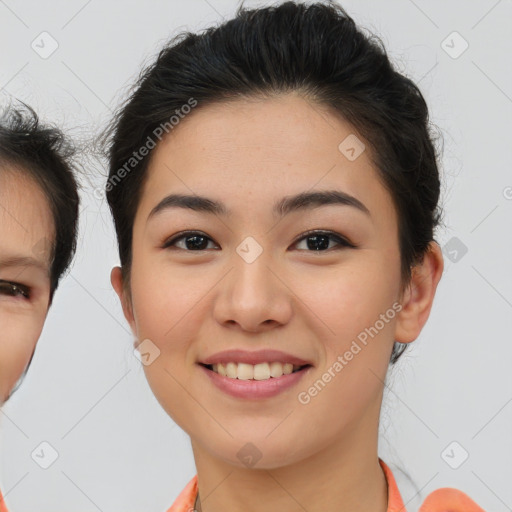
116, 278
418, 297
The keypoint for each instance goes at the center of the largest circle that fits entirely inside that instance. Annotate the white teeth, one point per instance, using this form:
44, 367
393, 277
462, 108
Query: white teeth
287, 368
231, 370
245, 371
260, 371
276, 369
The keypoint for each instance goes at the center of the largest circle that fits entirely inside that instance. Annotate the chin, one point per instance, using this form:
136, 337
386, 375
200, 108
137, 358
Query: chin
256, 454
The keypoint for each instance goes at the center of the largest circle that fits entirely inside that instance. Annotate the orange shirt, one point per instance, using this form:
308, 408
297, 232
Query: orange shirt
3, 508
441, 500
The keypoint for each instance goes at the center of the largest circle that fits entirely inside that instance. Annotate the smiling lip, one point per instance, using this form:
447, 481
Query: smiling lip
255, 357
254, 389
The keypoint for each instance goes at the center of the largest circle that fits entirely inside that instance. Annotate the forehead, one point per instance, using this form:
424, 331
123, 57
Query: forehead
262, 150
26, 222
283, 128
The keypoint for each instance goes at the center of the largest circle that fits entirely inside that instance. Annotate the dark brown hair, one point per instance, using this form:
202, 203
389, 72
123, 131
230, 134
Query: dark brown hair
44, 154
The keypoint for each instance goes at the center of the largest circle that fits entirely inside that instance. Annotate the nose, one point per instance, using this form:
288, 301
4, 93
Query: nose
253, 297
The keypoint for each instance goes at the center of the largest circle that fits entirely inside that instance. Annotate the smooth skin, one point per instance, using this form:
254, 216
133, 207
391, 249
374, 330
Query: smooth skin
249, 154
26, 227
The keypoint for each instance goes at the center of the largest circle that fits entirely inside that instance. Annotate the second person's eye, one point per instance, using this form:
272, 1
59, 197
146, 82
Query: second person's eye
14, 290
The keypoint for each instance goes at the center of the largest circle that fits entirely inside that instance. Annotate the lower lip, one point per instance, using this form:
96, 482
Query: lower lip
255, 388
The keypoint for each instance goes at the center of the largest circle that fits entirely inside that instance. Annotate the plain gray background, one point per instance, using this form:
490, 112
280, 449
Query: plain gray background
86, 394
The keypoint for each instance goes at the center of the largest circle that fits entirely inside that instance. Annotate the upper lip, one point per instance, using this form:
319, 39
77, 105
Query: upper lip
254, 357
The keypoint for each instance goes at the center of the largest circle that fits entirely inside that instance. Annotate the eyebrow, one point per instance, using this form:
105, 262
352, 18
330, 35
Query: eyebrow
285, 206
23, 261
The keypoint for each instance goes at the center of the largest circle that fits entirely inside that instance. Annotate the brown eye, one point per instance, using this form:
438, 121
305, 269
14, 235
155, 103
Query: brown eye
14, 290
319, 241
193, 241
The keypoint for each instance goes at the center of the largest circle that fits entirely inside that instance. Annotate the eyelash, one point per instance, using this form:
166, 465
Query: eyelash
332, 235
14, 290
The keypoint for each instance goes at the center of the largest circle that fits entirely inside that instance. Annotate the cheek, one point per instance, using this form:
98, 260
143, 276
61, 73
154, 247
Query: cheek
18, 338
170, 300
164, 314
354, 314
169, 310
347, 300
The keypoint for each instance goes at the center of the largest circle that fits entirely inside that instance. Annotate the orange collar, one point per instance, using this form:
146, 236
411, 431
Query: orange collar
185, 501
437, 501
3, 507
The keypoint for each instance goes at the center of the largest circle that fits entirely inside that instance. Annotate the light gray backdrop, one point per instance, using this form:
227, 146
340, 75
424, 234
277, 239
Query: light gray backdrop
86, 395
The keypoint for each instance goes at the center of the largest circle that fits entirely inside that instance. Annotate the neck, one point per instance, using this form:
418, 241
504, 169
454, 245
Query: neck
344, 477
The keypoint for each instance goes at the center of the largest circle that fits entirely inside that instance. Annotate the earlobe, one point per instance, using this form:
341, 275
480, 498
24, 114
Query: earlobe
116, 278
419, 295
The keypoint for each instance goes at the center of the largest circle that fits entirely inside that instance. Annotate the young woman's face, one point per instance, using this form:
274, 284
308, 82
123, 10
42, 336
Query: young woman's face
26, 228
254, 280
